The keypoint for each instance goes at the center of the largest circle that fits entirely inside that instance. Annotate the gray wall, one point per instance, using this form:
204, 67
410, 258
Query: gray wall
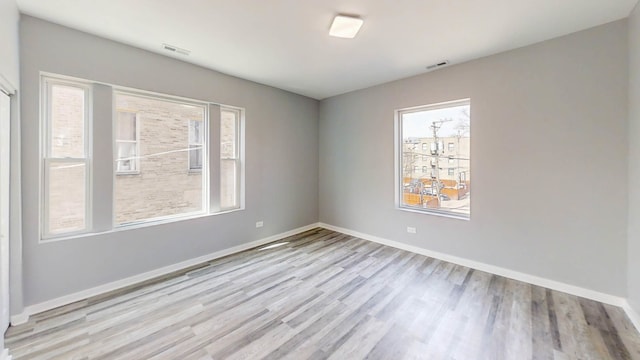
549, 160
9, 41
634, 160
281, 163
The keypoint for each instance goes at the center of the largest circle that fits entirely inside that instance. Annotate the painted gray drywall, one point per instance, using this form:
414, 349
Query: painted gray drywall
281, 163
9, 16
634, 161
549, 160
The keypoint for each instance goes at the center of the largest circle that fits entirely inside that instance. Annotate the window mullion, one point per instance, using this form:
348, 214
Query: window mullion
214, 158
102, 158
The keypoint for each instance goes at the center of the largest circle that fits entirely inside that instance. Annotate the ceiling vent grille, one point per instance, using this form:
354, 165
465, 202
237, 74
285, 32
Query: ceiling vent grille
176, 49
438, 65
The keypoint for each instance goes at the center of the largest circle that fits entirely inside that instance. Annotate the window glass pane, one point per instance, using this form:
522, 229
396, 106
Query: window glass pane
195, 133
66, 196
195, 157
126, 126
446, 184
228, 125
196, 139
67, 121
228, 184
127, 157
164, 185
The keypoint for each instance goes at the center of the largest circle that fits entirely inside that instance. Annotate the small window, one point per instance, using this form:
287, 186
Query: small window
127, 161
436, 125
425, 146
425, 169
196, 141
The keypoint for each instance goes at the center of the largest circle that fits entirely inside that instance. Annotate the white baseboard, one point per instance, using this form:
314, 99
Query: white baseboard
115, 285
531, 279
511, 274
632, 314
4, 355
19, 319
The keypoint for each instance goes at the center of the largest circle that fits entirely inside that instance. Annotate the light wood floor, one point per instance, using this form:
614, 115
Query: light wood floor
329, 295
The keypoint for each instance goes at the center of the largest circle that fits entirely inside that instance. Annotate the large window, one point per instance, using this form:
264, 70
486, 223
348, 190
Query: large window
169, 159
66, 157
445, 188
163, 185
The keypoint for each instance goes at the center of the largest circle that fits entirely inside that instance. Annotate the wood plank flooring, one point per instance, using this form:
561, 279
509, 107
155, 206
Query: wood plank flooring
326, 295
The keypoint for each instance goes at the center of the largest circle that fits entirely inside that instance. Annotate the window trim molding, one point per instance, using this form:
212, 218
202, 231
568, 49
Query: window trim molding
46, 83
398, 153
208, 166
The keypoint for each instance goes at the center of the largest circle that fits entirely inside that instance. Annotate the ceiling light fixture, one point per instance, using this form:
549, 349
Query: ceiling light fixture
344, 26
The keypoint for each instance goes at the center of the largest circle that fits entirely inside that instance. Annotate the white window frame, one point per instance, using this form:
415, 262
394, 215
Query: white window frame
136, 142
95, 215
398, 154
46, 83
238, 158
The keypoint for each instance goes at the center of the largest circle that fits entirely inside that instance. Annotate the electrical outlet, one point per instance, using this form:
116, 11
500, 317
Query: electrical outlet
411, 230
259, 224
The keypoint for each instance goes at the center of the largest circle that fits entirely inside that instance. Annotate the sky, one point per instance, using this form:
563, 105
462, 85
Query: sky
418, 124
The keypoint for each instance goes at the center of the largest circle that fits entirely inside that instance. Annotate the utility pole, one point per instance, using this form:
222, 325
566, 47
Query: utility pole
435, 126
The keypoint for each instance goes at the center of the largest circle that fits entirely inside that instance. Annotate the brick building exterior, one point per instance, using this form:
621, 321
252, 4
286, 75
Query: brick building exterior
452, 161
66, 191
164, 181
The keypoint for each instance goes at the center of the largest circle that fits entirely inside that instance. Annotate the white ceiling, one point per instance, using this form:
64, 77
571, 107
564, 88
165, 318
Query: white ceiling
285, 43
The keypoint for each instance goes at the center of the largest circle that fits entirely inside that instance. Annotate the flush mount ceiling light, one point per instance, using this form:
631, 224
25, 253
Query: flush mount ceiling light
345, 26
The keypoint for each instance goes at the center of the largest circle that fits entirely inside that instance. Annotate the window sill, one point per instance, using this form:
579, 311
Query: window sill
446, 214
128, 173
133, 226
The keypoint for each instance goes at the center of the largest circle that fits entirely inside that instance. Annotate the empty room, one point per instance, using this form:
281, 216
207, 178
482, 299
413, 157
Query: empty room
293, 179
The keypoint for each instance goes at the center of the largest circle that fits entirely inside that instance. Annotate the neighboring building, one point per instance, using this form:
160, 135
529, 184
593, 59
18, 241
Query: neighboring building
447, 160
161, 144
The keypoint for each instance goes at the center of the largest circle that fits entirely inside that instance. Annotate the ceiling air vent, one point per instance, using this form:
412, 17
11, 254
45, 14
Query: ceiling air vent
176, 49
438, 65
